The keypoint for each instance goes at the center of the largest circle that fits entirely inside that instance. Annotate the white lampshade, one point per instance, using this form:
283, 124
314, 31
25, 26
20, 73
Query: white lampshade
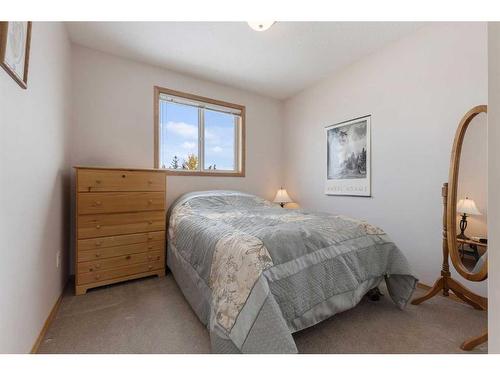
467, 206
261, 25
282, 197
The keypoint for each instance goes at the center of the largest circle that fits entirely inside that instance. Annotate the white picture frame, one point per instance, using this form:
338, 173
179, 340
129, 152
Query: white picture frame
348, 160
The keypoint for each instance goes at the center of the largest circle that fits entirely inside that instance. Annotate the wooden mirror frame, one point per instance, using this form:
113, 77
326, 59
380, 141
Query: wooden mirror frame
452, 198
446, 283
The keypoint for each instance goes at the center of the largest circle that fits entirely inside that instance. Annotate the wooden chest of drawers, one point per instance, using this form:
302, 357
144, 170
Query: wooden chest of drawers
120, 225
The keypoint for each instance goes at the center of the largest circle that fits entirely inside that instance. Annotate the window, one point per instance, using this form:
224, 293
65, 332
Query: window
200, 136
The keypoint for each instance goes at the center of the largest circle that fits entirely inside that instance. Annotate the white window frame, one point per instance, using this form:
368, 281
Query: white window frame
202, 103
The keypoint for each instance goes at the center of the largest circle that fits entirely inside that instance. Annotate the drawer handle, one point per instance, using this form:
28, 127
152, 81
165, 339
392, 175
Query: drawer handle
97, 255
97, 265
98, 243
150, 222
150, 182
150, 247
150, 237
150, 267
124, 175
150, 201
150, 257
97, 203
98, 226
97, 181
127, 257
97, 277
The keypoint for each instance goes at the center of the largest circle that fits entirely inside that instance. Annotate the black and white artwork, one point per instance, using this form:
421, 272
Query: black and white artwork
348, 169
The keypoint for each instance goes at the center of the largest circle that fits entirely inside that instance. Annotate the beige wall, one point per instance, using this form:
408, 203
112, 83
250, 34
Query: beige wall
113, 122
494, 187
34, 188
416, 90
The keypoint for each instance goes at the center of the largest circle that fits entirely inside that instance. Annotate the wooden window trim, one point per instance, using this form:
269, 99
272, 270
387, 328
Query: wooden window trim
162, 90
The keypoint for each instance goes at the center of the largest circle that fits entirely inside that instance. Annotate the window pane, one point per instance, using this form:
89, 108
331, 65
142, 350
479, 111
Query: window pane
178, 136
220, 133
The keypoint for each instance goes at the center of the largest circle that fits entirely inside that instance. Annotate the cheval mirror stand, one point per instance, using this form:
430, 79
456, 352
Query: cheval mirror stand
450, 249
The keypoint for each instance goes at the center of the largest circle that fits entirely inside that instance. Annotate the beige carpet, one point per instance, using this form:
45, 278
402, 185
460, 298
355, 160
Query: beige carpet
152, 316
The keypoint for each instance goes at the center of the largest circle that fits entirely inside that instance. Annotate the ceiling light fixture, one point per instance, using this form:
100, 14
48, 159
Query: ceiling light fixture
261, 25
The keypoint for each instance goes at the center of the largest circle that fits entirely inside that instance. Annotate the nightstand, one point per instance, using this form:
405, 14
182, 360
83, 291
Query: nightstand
471, 248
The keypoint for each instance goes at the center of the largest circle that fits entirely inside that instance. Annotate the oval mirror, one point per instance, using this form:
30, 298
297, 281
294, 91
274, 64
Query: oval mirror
467, 194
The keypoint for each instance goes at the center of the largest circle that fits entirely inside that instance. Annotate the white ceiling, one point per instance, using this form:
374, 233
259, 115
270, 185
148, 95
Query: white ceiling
278, 62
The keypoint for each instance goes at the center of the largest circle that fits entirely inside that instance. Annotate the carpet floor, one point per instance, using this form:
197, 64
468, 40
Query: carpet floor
152, 316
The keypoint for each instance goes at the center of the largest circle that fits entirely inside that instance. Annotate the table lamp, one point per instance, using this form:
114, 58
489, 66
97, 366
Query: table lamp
282, 197
466, 207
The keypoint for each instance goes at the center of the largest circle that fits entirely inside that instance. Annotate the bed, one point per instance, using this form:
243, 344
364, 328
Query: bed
254, 273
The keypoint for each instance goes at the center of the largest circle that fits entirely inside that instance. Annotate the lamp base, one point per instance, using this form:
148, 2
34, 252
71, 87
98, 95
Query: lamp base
463, 226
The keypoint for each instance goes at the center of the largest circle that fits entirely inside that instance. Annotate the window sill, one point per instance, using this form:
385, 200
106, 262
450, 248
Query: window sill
170, 172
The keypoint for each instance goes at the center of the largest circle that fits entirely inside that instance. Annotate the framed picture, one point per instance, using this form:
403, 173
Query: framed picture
348, 166
15, 38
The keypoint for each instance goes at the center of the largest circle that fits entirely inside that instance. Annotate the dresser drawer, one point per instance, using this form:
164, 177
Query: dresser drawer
118, 180
110, 252
96, 203
127, 239
118, 262
96, 276
102, 225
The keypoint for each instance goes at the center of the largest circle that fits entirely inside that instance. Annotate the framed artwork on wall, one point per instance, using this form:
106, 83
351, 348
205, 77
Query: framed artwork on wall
15, 39
348, 165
